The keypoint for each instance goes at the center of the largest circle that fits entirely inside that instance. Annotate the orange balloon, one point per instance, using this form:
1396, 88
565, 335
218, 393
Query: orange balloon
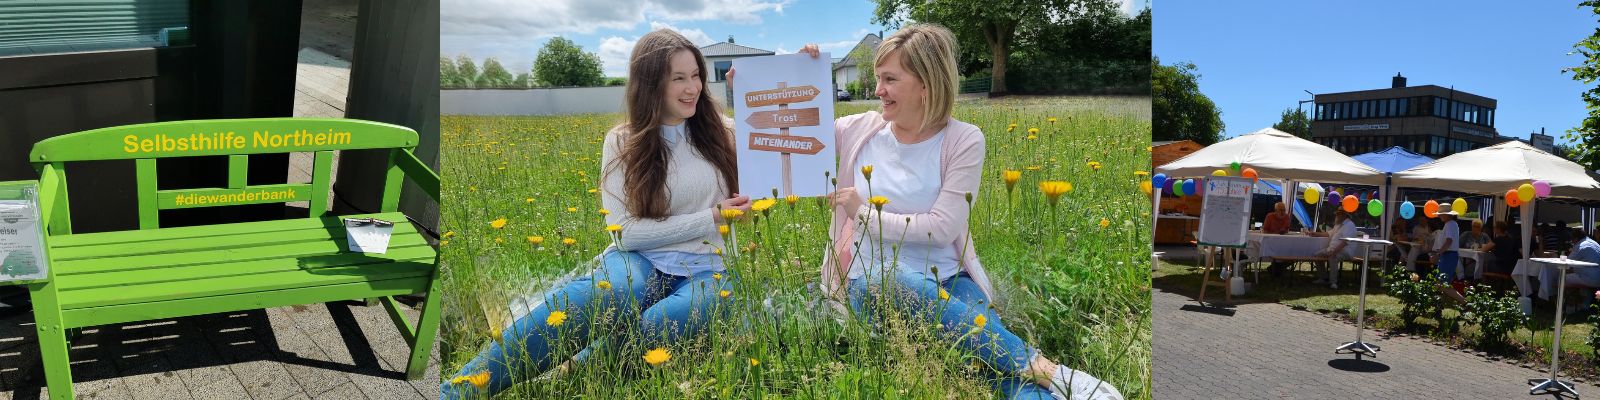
1249, 173
1350, 203
1512, 200
1431, 210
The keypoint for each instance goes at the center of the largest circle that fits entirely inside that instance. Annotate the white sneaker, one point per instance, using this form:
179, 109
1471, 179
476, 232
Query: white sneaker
1071, 384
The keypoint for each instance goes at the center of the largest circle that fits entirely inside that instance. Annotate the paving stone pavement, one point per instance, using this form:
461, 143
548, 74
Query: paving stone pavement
1270, 351
345, 350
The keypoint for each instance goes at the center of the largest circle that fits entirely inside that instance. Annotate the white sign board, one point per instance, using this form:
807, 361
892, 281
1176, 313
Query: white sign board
22, 255
1225, 211
783, 124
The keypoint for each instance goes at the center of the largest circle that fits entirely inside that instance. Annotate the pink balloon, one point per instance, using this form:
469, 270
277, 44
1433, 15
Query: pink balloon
1541, 188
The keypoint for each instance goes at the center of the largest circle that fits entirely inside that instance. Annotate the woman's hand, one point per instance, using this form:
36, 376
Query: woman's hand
737, 202
846, 198
811, 48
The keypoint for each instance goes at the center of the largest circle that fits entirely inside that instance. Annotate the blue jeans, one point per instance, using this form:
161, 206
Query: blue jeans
918, 295
1448, 261
666, 308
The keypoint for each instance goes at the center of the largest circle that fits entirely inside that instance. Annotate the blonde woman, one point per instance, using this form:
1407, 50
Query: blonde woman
926, 164
663, 272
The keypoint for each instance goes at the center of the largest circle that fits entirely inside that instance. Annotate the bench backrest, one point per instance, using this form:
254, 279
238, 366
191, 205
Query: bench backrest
234, 138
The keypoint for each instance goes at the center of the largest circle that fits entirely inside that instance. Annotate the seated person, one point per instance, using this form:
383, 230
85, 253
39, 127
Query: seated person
1506, 249
1397, 233
1587, 250
1338, 250
1473, 240
1422, 234
1277, 223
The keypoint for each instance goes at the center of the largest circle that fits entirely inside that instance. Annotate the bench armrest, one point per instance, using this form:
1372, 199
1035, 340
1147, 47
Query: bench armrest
49, 185
419, 173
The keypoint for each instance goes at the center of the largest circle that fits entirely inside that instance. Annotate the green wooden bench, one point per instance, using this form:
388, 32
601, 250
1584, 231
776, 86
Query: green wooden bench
158, 273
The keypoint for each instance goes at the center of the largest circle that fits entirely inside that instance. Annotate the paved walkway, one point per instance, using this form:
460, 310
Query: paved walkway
1269, 351
327, 351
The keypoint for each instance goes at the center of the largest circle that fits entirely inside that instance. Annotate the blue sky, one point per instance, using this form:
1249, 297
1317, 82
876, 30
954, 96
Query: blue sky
513, 31
1256, 57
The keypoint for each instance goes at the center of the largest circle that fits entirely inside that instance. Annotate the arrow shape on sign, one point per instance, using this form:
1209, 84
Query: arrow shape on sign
785, 143
787, 118
784, 95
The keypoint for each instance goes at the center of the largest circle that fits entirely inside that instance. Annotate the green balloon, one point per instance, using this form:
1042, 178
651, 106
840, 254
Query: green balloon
1234, 165
1177, 189
1375, 207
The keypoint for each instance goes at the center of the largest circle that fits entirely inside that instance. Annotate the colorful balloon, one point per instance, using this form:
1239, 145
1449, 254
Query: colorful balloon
1219, 173
1199, 187
1511, 198
1350, 203
1459, 206
1430, 209
1334, 196
1525, 192
1375, 207
1170, 186
1249, 173
1541, 188
1177, 187
1188, 187
1312, 196
1408, 210
1234, 165
1159, 180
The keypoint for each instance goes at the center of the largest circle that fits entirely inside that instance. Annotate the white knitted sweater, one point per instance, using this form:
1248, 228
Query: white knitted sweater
693, 189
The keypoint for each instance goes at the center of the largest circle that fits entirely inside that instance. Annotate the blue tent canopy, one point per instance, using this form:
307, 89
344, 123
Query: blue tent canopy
1393, 159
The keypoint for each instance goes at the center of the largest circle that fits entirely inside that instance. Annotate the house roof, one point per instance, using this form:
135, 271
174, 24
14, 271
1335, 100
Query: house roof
724, 49
867, 43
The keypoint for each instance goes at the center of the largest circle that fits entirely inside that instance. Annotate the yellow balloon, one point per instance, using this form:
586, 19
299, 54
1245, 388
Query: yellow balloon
1312, 196
1459, 206
1219, 173
1525, 192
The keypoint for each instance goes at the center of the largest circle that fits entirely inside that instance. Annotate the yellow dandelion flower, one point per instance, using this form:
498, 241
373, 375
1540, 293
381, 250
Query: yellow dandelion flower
1095, 165
717, 251
716, 276
499, 240
1033, 131
1032, 137
762, 205
722, 229
604, 212
657, 356
613, 228
536, 240
1050, 120
1145, 186
448, 234
1054, 189
555, 318
572, 209
497, 224
791, 199
1141, 173
878, 201
754, 362
1011, 177
1033, 168
867, 171
724, 294
1104, 223
530, 200
729, 214
592, 191
569, 241
943, 295
603, 285
980, 321
1011, 127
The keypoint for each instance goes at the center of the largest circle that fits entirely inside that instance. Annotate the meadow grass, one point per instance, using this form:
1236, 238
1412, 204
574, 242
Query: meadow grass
1073, 279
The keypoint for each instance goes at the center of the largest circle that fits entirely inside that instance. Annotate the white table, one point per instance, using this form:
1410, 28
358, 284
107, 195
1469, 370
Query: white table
1551, 385
1357, 347
1547, 274
1291, 245
1480, 261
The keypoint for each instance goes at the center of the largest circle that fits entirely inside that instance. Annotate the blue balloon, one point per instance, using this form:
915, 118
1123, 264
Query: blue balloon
1158, 181
1407, 210
1188, 186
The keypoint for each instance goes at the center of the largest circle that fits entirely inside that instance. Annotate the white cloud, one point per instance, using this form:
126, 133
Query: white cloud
614, 53
509, 19
697, 36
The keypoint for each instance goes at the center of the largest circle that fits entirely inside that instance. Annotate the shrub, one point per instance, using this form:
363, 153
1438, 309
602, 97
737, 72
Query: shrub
1495, 314
1417, 293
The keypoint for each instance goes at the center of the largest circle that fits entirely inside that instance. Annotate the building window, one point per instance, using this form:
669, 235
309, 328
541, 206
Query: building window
55, 26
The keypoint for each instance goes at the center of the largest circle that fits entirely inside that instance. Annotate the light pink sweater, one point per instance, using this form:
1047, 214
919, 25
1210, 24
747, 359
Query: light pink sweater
961, 169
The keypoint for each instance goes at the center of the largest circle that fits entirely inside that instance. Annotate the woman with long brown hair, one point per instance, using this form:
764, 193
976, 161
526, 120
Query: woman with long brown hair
667, 173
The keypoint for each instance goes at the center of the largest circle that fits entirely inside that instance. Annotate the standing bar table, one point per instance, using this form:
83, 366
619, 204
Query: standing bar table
1551, 385
1358, 347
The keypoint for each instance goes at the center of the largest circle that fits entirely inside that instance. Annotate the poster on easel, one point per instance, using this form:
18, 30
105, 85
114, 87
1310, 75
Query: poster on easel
22, 253
783, 124
1225, 211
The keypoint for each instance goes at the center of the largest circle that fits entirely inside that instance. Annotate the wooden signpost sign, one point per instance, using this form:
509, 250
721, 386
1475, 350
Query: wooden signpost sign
782, 97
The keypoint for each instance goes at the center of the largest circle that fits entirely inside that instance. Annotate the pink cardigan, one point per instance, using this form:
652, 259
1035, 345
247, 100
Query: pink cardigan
961, 169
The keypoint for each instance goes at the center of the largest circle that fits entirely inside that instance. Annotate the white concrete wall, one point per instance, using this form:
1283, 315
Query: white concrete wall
584, 100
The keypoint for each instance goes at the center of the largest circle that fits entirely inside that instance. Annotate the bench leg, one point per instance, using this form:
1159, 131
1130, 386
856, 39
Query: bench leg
52, 340
427, 327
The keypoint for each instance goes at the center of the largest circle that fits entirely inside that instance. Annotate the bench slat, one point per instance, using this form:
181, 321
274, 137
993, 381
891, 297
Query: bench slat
86, 239
131, 294
245, 237
311, 265
115, 314
304, 249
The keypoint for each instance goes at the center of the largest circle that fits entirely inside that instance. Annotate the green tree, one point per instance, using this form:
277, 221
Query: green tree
466, 71
866, 78
524, 80
494, 75
996, 22
562, 63
1294, 121
1180, 111
448, 75
1586, 136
